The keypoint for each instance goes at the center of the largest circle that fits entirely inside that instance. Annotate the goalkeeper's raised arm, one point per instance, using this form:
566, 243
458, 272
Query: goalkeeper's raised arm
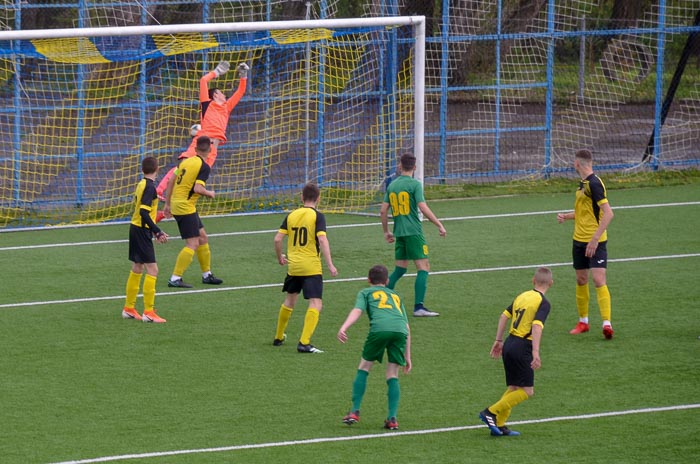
215, 108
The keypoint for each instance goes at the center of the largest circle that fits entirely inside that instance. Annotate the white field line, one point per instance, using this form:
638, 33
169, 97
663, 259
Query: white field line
343, 226
312, 441
331, 281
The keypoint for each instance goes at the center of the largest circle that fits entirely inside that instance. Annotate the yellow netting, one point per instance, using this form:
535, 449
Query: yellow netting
312, 112
293, 36
70, 50
183, 43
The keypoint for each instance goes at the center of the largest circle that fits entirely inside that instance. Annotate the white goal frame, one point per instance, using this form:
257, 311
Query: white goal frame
417, 23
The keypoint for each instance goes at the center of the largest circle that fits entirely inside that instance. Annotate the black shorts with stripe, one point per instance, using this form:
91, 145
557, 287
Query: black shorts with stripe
581, 261
517, 357
141, 248
312, 286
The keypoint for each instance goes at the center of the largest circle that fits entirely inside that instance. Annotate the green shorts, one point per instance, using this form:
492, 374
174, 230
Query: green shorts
394, 343
410, 247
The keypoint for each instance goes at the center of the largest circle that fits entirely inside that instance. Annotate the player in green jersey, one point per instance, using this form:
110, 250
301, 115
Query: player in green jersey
404, 196
388, 332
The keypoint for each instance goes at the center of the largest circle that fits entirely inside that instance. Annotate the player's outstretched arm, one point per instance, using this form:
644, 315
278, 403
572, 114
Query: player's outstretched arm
221, 68
561, 217
242, 86
243, 69
354, 315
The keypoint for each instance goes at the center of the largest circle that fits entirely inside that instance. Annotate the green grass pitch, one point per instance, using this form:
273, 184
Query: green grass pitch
80, 384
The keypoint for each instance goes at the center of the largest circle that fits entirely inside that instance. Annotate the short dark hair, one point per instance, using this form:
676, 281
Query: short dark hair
378, 275
211, 93
203, 144
408, 162
584, 155
149, 165
310, 192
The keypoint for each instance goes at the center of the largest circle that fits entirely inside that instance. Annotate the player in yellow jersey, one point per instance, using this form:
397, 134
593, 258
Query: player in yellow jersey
141, 252
184, 189
305, 231
592, 215
520, 351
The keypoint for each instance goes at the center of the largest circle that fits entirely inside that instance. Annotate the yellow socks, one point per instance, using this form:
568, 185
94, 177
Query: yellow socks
204, 257
508, 401
184, 259
582, 299
132, 289
282, 321
149, 292
310, 323
604, 304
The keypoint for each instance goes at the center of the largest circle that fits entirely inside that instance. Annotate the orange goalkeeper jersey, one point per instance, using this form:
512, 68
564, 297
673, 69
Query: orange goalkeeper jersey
214, 115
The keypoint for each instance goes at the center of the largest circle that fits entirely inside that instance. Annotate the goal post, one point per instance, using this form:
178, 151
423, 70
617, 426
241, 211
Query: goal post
332, 101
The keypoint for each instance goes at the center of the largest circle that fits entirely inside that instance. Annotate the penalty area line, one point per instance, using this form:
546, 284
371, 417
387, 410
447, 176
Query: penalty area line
312, 441
335, 281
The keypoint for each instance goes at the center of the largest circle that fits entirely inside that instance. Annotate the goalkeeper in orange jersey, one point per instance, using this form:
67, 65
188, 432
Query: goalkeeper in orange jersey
215, 112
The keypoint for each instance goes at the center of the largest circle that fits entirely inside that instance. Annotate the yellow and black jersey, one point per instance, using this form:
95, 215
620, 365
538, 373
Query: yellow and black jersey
303, 226
189, 172
528, 308
590, 196
145, 205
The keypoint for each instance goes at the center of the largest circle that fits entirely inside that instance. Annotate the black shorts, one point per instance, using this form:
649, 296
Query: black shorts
581, 261
312, 286
517, 356
188, 225
141, 248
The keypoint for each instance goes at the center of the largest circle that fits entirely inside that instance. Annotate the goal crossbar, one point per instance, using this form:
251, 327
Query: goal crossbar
417, 21
67, 124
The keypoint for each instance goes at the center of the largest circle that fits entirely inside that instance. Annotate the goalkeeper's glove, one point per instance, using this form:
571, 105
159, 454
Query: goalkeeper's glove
221, 68
243, 70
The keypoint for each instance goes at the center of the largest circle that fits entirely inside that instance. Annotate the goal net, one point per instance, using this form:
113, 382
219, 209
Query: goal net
332, 102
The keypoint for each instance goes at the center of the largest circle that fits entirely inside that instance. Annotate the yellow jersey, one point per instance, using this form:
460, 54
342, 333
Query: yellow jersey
303, 226
528, 309
590, 196
189, 172
145, 198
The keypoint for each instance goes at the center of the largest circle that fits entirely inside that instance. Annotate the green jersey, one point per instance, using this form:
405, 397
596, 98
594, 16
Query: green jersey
403, 194
384, 308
